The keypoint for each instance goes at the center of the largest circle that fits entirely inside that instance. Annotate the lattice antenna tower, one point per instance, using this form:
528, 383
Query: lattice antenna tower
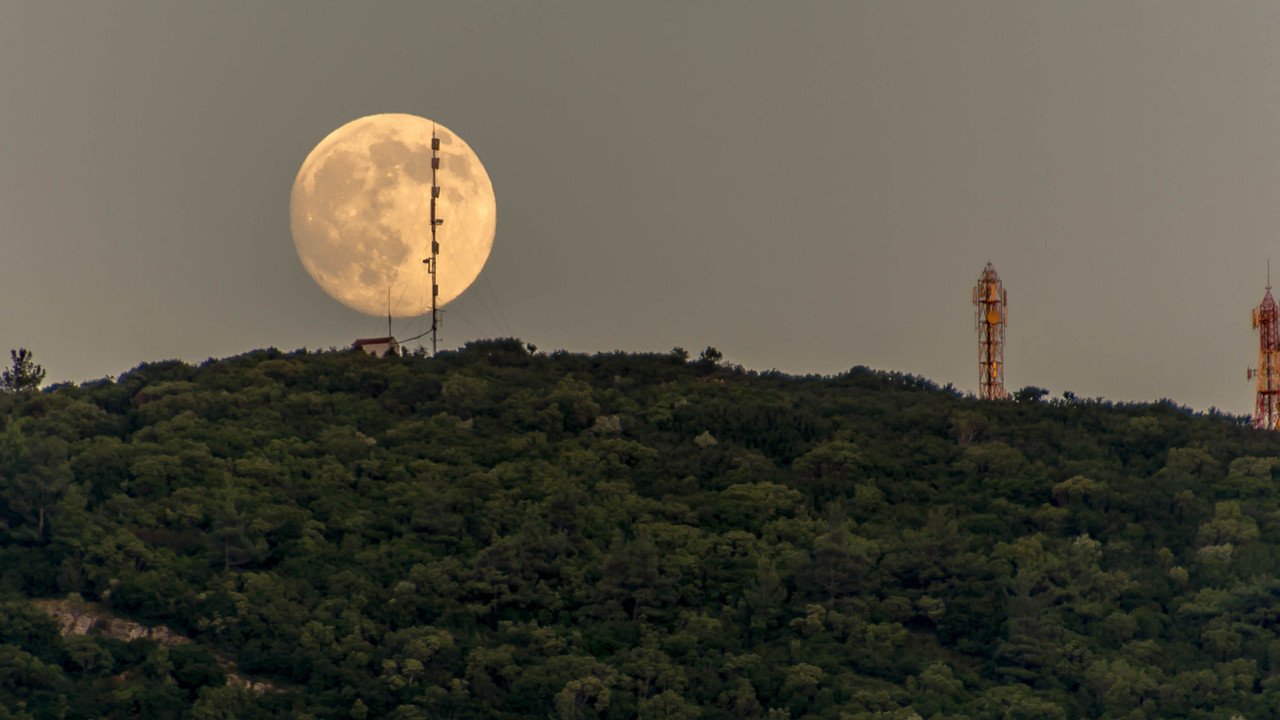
1266, 319
432, 262
991, 315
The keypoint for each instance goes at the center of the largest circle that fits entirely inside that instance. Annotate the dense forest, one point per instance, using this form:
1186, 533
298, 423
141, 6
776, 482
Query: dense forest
501, 533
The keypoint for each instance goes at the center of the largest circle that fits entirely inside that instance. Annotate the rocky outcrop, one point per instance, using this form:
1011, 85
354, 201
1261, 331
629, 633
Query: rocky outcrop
78, 618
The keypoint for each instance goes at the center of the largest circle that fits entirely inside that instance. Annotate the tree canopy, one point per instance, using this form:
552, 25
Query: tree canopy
501, 533
24, 374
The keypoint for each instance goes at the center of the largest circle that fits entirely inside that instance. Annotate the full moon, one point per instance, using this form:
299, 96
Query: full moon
360, 214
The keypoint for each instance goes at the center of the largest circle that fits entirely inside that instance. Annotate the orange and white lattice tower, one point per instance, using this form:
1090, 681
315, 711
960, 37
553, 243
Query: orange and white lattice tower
1266, 318
991, 315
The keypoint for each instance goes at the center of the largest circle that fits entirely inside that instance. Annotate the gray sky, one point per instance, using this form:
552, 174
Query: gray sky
806, 186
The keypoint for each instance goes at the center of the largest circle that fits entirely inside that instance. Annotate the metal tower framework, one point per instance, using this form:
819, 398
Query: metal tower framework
431, 262
1266, 318
991, 315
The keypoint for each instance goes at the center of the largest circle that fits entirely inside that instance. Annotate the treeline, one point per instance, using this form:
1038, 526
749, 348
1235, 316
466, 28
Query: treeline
498, 533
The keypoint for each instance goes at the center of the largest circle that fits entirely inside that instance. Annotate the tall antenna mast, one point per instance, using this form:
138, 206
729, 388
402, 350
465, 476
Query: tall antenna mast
1266, 318
991, 315
431, 262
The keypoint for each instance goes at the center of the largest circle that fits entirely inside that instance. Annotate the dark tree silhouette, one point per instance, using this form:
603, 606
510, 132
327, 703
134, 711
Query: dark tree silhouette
710, 358
25, 373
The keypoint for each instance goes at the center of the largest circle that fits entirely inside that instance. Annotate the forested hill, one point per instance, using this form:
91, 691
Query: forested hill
499, 534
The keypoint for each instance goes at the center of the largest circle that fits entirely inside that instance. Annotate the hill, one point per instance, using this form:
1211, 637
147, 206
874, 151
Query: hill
494, 533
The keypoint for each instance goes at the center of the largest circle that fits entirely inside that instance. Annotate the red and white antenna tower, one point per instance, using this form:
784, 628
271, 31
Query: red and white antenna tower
991, 315
1266, 318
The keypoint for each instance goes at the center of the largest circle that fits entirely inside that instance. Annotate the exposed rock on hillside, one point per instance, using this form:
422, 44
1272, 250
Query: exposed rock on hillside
78, 618
75, 618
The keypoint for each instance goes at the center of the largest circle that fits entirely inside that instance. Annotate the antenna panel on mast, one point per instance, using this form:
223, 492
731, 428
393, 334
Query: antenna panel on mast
433, 262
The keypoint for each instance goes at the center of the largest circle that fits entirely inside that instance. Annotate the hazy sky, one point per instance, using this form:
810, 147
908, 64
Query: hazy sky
806, 186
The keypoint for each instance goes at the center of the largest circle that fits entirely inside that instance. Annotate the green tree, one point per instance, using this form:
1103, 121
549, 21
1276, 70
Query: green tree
38, 474
710, 359
25, 374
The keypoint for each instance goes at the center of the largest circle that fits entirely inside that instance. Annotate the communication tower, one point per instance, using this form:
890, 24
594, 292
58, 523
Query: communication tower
1266, 318
991, 315
431, 262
